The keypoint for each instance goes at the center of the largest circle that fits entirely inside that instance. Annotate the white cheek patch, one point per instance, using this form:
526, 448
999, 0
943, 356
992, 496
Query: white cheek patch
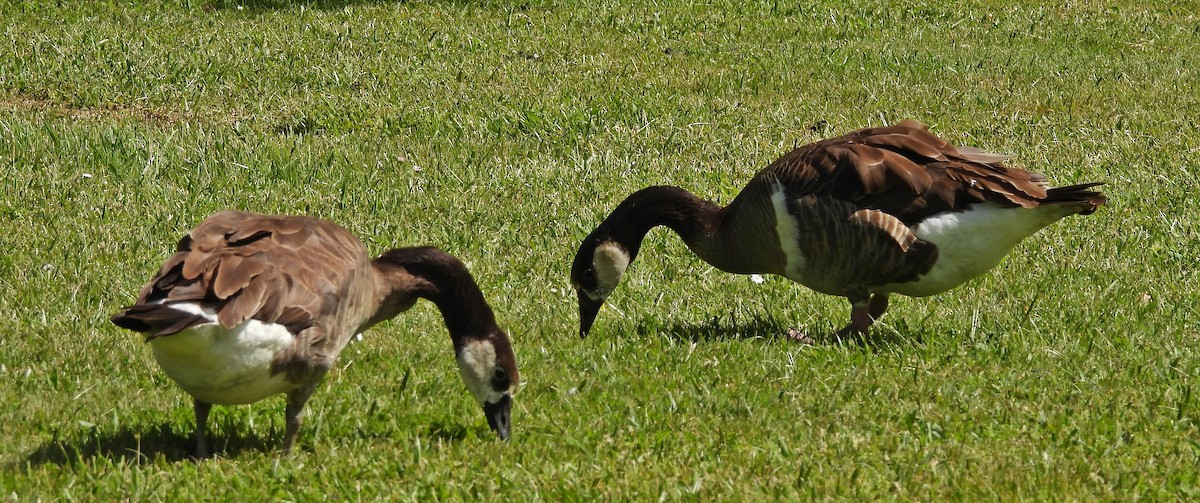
476, 362
597, 296
610, 262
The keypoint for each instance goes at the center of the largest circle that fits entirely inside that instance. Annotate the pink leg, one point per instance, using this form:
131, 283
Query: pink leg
860, 321
863, 314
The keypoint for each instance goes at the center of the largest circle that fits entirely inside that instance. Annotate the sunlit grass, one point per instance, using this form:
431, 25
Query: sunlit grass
503, 132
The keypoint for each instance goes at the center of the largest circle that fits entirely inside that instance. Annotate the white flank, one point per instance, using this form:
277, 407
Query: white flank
972, 242
475, 363
220, 365
785, 227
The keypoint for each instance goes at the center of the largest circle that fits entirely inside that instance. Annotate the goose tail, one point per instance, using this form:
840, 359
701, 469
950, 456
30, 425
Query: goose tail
1080, 196
156, 320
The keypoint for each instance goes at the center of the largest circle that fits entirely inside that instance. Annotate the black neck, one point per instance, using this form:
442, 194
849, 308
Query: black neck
694, 219
444, 280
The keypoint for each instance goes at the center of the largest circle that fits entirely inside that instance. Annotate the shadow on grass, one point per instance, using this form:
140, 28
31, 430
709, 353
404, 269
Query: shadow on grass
716, 329
760, 327
266, 5
261, 5
161, 442
140, 446
450, 431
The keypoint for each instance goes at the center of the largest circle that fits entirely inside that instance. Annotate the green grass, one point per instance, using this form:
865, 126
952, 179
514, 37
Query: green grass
503, 132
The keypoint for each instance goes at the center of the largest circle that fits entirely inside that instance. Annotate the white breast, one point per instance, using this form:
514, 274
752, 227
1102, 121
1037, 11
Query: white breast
973, 241
224, 366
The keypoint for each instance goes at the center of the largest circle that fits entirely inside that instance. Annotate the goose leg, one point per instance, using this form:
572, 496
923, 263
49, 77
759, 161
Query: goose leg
860, 315
863, 313
201, 409
294, 415
879, 304
860, 321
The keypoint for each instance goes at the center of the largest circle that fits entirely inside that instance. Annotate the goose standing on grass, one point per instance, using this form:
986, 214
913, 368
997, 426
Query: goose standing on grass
874, 212
254, 305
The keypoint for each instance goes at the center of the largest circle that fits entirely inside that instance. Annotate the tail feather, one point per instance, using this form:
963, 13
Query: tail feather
1087, 200
156, 320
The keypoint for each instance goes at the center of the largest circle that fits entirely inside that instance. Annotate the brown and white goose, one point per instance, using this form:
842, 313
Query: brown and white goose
255, 305
874, 212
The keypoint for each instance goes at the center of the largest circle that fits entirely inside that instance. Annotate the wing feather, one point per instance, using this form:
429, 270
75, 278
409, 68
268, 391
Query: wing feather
846, 248
276, 269
905, 171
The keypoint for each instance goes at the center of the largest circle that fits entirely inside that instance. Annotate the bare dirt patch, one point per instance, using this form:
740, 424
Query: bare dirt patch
136, 112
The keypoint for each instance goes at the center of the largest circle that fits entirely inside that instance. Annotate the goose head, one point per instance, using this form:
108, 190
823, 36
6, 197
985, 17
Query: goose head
598, 267
482, 350
489, 369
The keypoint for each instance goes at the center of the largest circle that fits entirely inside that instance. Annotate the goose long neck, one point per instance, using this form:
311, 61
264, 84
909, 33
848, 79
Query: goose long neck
405, 274
695, 220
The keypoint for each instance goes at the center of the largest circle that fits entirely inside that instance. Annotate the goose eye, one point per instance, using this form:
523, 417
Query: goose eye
499, 379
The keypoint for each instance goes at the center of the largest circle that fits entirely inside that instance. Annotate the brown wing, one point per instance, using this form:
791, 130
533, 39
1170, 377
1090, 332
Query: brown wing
847, 249
904, 171
279, 269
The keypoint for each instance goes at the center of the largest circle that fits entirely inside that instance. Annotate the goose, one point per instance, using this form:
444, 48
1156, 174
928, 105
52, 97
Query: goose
875, 212
254, 305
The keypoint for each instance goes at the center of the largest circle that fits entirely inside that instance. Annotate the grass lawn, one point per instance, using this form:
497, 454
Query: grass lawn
504, 132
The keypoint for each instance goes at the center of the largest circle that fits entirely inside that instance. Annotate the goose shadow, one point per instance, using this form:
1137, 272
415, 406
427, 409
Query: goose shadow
161, 442
267, 5
448, 431
141, 446
771, 329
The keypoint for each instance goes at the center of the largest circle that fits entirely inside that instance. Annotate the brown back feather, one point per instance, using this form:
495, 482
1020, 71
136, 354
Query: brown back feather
276, 269
907, 172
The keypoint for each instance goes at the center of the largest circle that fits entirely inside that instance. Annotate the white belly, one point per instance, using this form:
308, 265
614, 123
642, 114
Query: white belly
974, 241
224, 366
